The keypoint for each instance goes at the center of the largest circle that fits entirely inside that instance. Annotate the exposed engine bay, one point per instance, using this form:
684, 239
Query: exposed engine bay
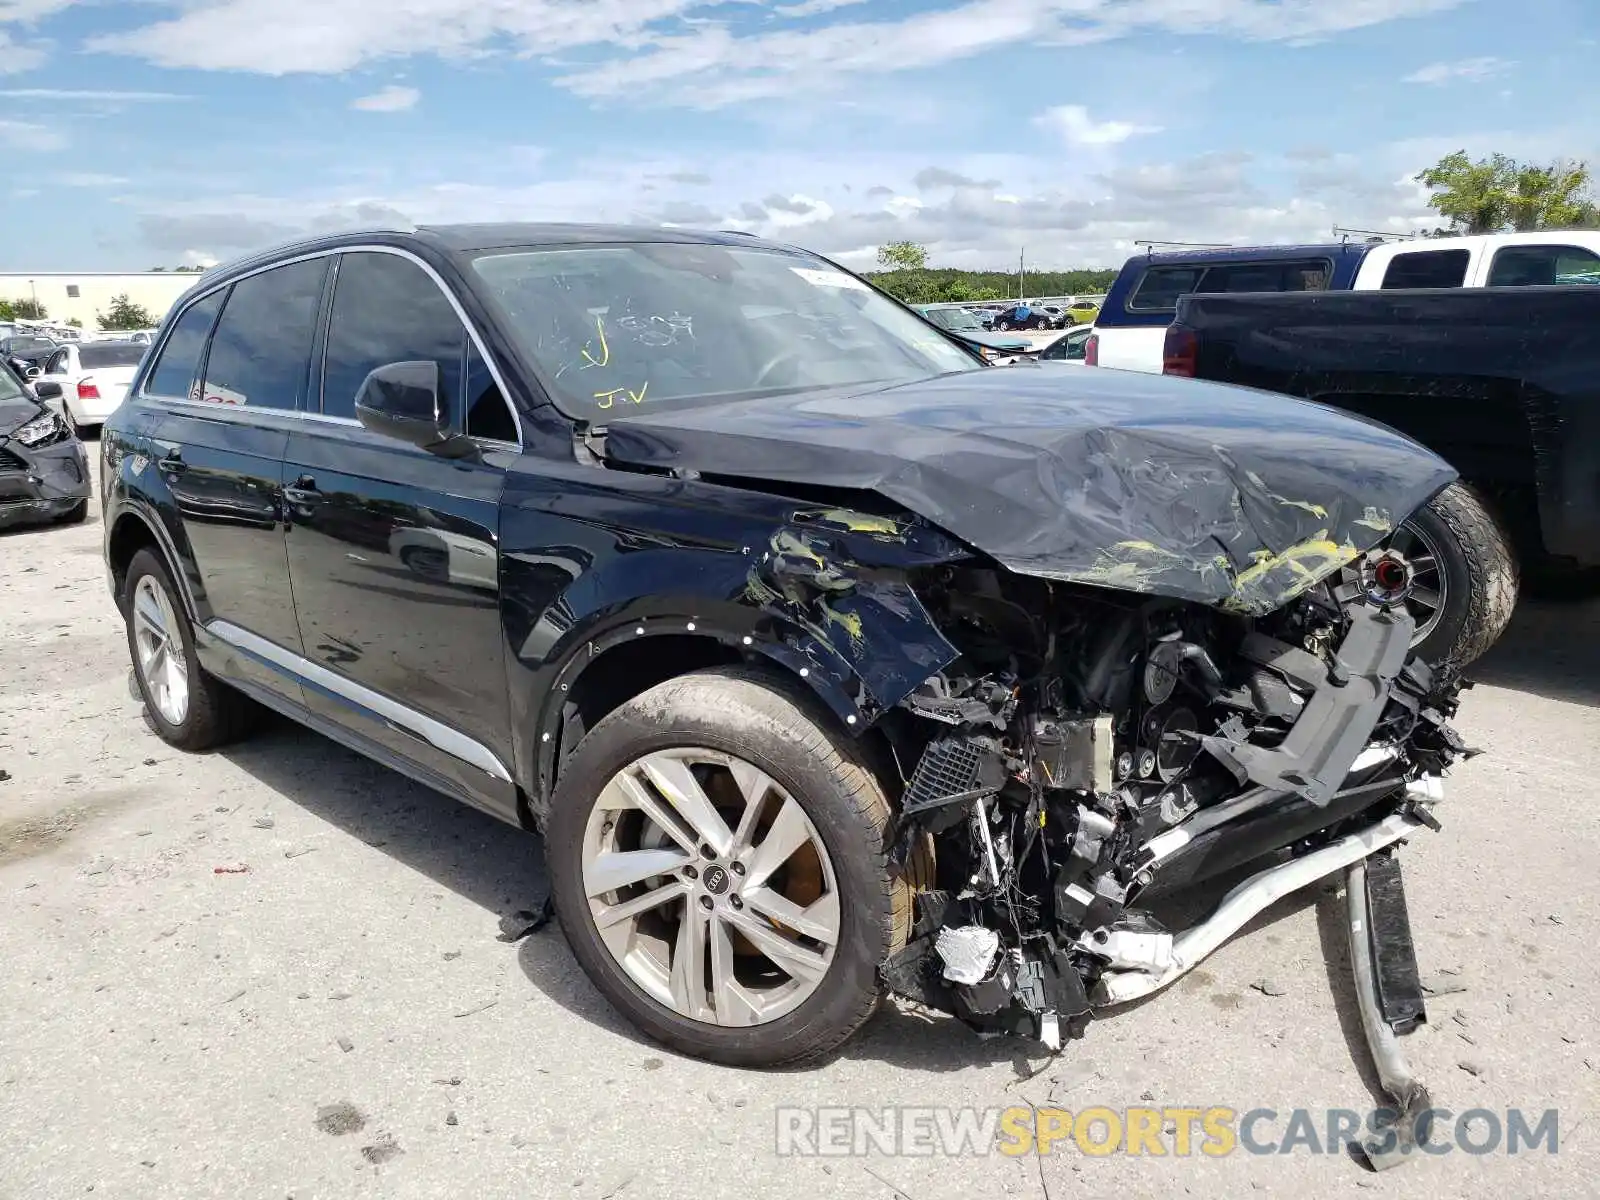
1092, 754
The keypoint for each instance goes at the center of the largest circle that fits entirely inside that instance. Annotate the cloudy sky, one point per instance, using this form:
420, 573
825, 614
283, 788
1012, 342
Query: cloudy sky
146, 132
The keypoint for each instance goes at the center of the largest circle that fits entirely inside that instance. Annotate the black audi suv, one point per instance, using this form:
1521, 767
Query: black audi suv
810, 643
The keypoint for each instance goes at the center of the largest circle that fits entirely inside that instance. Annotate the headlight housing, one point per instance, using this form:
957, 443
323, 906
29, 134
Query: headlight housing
44, 429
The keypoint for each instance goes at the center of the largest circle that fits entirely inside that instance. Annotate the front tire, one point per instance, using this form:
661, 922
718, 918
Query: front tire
1467, 575
766, 904
187, 707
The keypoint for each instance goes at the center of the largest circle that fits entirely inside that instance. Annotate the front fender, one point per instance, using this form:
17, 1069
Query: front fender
826, 594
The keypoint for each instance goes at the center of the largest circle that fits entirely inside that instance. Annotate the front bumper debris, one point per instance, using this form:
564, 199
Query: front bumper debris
41, 484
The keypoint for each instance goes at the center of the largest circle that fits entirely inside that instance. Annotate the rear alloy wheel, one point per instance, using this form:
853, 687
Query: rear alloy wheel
717, 859
187, 707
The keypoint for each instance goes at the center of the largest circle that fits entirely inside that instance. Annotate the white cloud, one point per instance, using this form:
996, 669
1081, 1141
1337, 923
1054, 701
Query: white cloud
814, 8
1465, 70
26, 135
88, 179
695, 52
199, 258
17, 57
389, 99
31, 10
1073, 125
96, 96
282, 37
846, 202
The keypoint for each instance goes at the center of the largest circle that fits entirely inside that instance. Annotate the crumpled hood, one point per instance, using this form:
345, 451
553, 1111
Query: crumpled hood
15, 411
1223, 495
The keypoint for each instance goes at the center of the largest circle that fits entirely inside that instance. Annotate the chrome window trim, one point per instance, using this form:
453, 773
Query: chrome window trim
172, 323
333, 252
436, 733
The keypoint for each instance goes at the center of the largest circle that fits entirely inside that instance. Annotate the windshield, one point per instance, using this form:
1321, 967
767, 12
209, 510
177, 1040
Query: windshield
27, 345
955, 319
667, 325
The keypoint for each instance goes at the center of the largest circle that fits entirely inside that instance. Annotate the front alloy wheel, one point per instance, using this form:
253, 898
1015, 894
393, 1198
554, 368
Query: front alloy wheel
1461, 572
724, 910
717, 853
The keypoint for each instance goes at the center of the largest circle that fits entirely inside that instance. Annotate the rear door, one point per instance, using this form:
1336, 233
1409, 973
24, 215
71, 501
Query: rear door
394, 551
219, 450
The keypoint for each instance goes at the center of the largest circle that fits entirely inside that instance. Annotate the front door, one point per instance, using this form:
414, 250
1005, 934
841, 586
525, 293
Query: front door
219, 451
393, 551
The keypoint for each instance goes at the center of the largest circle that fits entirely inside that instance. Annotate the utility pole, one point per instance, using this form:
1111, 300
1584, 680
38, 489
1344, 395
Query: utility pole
1020, 253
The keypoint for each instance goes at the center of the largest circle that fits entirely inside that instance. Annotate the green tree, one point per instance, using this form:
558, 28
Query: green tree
125, 314
1497, 193
28, 310
902, 256
74, 322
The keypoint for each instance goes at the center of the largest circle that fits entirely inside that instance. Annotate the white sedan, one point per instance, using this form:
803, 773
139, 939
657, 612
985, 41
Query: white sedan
86, 381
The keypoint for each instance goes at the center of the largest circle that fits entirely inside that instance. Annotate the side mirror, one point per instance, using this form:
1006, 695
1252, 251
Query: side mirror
402, 400
46, 391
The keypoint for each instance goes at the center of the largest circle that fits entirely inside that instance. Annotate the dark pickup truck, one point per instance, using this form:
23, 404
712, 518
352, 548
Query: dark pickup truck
1504, 383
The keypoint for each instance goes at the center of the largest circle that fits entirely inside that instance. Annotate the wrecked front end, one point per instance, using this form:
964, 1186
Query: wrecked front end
1124, 635
1081, 760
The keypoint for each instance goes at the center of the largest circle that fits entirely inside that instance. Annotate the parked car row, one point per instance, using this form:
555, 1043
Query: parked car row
1143, 300
84, 380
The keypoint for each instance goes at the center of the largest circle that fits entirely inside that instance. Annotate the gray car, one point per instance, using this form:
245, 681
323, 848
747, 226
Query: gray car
44, 471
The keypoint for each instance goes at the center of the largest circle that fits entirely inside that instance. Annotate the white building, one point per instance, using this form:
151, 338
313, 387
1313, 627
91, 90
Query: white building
84, 294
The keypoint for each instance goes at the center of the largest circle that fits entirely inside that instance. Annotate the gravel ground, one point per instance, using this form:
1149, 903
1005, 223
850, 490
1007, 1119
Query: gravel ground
340, 1019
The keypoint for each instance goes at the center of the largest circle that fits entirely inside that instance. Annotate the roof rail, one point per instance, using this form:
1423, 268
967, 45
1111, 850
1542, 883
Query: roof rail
1152, 245
1344, 234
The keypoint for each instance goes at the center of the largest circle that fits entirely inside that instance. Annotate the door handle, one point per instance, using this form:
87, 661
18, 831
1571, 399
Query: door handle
302, 489
171, 461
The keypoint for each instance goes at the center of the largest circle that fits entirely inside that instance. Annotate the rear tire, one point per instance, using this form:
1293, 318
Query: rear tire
1478, 568
776, 727
211, 713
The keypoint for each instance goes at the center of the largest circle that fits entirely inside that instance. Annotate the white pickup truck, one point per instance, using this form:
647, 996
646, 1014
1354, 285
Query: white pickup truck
1131, 327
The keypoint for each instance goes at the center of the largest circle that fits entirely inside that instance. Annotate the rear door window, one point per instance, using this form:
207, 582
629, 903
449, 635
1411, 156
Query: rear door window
1534, 266
179, 363
1427, 269
261, 352
387, 309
